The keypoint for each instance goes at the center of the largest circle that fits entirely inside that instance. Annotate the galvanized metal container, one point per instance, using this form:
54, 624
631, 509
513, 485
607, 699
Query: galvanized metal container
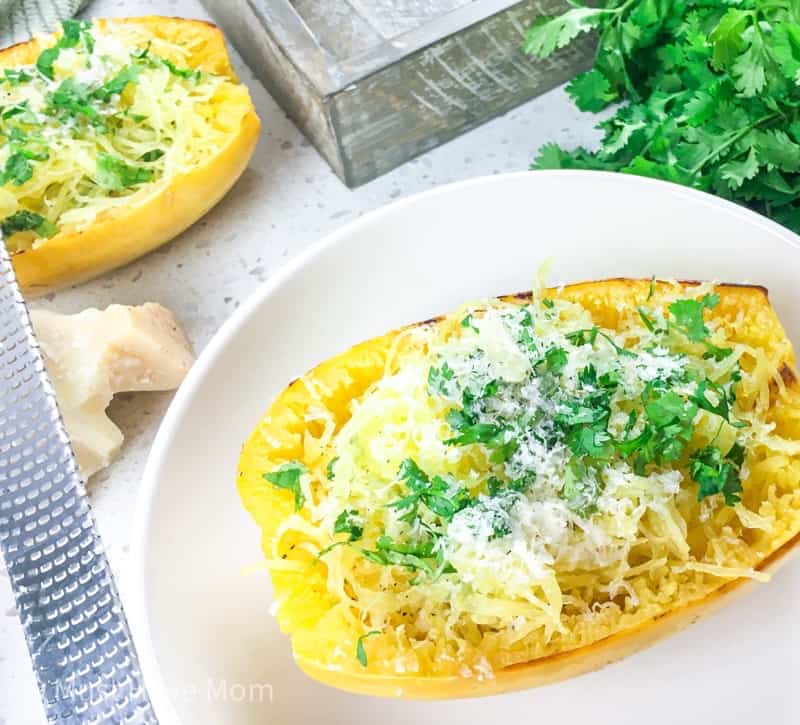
373, 83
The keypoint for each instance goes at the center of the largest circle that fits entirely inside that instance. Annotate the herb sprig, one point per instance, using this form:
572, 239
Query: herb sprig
287, 476
711, 92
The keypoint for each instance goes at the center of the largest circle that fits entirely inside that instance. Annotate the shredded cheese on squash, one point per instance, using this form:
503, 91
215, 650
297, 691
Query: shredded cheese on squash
534, 572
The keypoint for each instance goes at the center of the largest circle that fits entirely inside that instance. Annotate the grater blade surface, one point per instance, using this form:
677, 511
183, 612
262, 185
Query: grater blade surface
80, 645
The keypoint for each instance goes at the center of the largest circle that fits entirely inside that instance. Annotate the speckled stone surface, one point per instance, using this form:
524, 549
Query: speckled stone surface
286, 199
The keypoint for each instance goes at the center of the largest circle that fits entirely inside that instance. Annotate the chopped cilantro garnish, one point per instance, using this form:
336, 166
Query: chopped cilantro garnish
467, 323
581, 490
426, 557
719, 405
583, 337
489, 434
15, 77
17, 169
555, 360
548, 303
349, 522
23, 221
594, 442
72, 99
115, 86
588, 376
329, 472
152, 155
185, 73
45, 61
72, 33
287, 476
388, 554
442, 497
589, 337
716, 353
717, 474
647, 321
114, 174
672, 418
361, 653
438, 379
736, 454
688, 315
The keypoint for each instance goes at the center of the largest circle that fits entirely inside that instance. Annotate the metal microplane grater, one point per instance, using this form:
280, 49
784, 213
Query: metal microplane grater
81, 648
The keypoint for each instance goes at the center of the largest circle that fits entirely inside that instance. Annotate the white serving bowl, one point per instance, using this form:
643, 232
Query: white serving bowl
210, 650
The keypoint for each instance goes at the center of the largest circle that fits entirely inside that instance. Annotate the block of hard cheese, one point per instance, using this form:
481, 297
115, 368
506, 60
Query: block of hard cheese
92, 355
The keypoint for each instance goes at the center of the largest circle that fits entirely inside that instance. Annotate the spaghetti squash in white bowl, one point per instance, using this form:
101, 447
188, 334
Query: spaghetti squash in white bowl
344, 544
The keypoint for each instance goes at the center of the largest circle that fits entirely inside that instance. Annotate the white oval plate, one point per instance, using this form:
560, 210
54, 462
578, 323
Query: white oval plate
210, 650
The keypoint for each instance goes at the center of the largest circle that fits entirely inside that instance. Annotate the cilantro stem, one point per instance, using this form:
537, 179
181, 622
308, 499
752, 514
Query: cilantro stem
734, 139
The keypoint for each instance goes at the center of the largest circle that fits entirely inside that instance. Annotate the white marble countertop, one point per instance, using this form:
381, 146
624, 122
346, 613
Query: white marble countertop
286, 199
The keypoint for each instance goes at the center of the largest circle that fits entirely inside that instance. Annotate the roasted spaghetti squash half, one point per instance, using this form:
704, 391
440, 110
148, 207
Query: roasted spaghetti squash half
528, 488
116, 136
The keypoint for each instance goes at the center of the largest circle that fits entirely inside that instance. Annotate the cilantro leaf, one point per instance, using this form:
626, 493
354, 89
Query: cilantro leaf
489, 433
361, 654
777, 149
591, 91
750, 68
468, 324
549, 33
555, 360
287, 476
737, 171
185, 73
442, 497
581, 488
115, 86
15, 77
114, 174
22, 221
17, 169
438, 379
388, 554
152, 155
349, 522
786, 49
71, 33
727, 37
44, 63
72, 99
688, 315
716, 475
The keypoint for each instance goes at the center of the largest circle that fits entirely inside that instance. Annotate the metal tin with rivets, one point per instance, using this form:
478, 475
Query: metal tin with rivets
75, 627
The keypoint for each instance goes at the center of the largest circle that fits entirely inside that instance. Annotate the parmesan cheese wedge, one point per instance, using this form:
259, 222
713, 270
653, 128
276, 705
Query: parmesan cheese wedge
95, 354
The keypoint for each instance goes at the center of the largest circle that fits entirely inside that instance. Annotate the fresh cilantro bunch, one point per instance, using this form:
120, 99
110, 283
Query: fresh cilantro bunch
711, 91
